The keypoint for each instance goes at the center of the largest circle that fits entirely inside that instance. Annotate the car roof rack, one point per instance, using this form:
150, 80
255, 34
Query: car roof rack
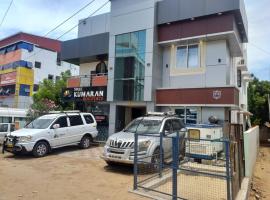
166, 114
67, 111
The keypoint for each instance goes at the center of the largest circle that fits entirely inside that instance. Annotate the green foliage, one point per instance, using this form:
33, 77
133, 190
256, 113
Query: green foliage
48, 97
258, 102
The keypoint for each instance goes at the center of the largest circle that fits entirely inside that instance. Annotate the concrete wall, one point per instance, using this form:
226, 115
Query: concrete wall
251, 147
86, 68
214, 71
94, 25
48, 64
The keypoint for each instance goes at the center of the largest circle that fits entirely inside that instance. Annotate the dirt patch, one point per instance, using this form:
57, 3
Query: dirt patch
77, 175
260, 186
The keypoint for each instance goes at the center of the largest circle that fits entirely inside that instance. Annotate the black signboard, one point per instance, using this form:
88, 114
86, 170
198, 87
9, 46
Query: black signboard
91, 94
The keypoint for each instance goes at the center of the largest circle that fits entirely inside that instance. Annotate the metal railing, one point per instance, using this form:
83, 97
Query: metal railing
202, 170
99, 79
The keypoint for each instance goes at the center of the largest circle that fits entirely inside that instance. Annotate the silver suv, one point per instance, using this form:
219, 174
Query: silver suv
119, 147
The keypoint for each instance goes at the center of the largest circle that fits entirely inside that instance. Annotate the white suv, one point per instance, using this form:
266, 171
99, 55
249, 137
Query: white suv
52, 131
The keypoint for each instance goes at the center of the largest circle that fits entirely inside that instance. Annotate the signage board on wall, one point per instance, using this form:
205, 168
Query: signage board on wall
8, 78
91, 94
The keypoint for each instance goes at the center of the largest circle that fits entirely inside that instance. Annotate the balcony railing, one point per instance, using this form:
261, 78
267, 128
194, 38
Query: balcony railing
93, 80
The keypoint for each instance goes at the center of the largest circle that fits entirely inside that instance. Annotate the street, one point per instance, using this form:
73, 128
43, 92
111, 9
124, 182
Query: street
67, 173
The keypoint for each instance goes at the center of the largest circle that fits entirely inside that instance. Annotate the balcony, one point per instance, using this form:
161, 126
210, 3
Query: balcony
94, 80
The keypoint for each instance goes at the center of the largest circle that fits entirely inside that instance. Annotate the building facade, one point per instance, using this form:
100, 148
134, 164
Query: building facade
25, 60
184, 56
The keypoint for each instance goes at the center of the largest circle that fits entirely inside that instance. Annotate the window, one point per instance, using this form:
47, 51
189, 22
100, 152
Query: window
58, 59
57, 78
88, 119
129, 66
177, 125
37, 65
36, 87
50, 77
168, 127
239, 78
187, 56
189, 115
75, 120
4, 128
62, 121
12, 127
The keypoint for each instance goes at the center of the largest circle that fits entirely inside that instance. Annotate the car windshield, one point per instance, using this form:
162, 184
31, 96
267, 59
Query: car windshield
40, 123
144, 126
3, 127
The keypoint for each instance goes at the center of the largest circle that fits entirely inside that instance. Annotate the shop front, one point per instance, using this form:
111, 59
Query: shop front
93, 100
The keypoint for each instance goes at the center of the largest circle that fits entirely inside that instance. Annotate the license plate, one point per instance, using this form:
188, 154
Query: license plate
116, 157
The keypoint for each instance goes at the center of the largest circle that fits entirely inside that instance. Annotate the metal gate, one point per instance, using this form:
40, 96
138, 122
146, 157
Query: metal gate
201, 171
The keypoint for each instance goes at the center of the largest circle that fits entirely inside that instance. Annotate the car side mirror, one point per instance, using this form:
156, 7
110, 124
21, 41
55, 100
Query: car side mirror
183, 130
56, 126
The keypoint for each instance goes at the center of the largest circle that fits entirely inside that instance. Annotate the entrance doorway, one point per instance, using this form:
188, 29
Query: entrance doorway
125, 114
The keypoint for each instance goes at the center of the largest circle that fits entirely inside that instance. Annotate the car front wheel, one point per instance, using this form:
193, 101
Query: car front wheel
40, 149
85, 142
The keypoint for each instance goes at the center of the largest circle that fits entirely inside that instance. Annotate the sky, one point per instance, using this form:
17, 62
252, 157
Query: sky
40, 16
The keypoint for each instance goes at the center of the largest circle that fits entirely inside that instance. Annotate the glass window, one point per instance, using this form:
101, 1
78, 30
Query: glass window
193, 56
40, 123
130, 66
75, 120
50, 77
12, 127
177, 125
88, 119
168, 126
37, 64
144, 126
187, 56
239, 78
181, 57
189, 115
62, 121
3, 127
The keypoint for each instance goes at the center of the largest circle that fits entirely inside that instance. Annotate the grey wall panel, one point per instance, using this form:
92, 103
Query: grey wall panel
216, 76
175, 10
94, 25
85, 47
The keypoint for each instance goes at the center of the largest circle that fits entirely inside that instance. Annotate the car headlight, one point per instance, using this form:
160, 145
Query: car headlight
143, 146
25, 138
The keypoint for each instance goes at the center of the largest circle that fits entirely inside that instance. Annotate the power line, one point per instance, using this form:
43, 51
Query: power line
4, 17
73, 27
82, 21
74, 14
259, 48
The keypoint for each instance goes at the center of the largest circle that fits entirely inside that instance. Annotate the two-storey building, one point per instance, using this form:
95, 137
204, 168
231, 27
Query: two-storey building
187, 56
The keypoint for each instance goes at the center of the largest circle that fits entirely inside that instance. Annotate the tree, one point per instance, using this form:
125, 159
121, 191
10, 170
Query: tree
49, 97
258, 101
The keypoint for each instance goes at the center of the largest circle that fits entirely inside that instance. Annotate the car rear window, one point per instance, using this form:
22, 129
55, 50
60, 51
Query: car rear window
88, 119
75, 120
